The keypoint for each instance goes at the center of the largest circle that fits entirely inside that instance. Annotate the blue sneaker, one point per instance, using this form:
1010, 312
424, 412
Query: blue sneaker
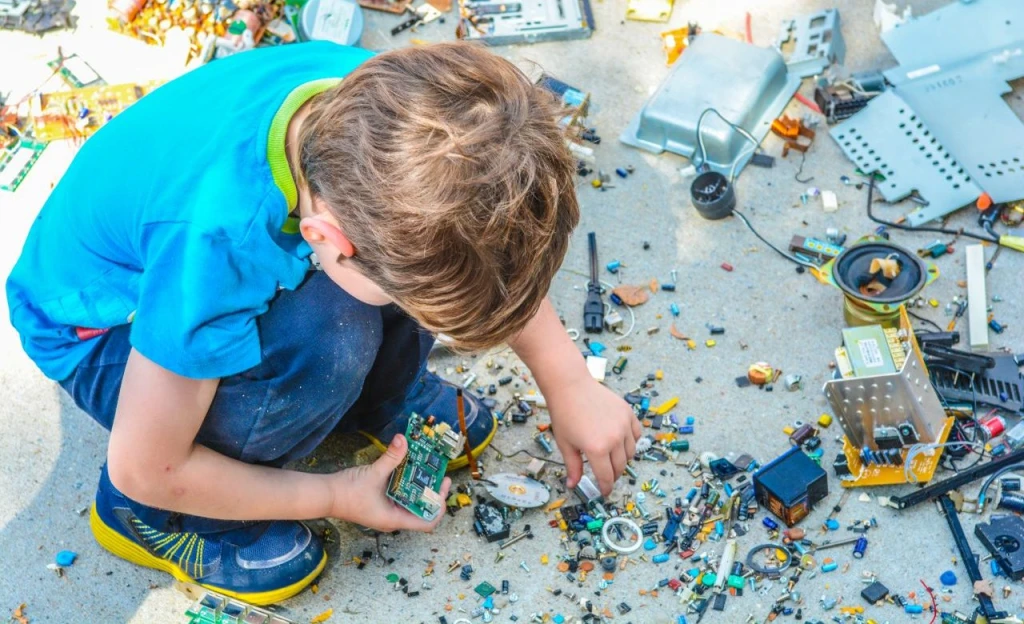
261, 563
432, 396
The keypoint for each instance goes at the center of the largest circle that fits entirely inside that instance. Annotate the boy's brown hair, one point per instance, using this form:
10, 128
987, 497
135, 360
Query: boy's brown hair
447, 170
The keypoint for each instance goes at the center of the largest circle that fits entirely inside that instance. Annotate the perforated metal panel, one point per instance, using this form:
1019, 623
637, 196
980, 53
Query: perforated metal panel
890, 138
861, 404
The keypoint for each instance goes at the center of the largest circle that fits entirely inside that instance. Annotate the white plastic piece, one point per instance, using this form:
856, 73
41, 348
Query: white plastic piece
598, 367
977, 314
887, 16
609, 541
829, 201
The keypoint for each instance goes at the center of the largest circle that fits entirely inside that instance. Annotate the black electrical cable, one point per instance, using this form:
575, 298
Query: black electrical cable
773, 247
925, 320
921, 228
521, 451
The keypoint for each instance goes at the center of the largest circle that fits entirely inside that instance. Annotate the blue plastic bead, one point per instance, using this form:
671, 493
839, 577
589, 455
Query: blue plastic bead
832, 525
489, 602
913, 608
597, 348
690, 420
788, 611
622, 173
613, 266
829, 567
645, 403
66, 558
662, 558
649, 544
674, 309
948, 578
558, 619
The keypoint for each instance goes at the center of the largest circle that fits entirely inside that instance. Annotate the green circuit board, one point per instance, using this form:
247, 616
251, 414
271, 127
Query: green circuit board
17, 161
416, 483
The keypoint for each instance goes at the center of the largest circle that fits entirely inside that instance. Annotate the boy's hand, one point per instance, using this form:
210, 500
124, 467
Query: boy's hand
360, 494
589, 418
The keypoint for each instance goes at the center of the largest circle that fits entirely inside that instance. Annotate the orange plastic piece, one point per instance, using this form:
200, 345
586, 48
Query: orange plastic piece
984, 201
543, 427
563, 566
587, 566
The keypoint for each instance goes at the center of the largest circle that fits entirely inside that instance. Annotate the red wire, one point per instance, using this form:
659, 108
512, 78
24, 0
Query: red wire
935, 607
808, 103
750, 36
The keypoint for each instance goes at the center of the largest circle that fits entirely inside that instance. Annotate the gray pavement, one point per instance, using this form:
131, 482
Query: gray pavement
50, 453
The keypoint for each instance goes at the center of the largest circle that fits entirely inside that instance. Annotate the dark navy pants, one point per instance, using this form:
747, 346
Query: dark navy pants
329, 362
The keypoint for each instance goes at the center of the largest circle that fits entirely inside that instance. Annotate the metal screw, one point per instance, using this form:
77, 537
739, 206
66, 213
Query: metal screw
499, 556
514, 539
631, 472
673, 272
522, 564
640, 498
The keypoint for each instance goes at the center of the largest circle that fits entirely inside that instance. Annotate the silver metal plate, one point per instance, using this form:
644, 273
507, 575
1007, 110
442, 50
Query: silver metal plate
516, 490
953, 86
816, 43
890, 138
749, 86
864, 402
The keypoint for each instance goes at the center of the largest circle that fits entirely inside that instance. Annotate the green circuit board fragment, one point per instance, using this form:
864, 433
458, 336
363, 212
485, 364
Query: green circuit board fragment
17, 161
416, 483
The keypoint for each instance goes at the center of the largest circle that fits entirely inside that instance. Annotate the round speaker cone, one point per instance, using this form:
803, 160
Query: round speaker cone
852, 273
712, 195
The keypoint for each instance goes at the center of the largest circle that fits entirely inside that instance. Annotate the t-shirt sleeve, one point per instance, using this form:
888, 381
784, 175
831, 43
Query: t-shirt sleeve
199, 297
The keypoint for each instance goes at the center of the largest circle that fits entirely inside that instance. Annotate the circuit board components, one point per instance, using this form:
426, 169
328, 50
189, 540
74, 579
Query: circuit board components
416, 483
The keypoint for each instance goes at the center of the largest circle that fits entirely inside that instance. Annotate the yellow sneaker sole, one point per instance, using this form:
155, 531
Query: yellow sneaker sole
458, 462
128, 550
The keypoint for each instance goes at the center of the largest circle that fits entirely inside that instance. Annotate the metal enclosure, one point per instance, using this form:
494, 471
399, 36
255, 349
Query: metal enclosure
749, 86
816, 40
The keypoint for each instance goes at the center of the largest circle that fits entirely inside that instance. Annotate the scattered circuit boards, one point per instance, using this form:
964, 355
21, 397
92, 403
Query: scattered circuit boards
416, 483
151, 20
502, 23
78, 113
16, 161
216, 609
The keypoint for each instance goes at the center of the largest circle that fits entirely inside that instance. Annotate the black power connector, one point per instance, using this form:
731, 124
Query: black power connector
593, 309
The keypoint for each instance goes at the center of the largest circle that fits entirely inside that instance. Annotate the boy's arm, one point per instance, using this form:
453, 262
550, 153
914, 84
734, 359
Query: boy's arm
153, 459
587, 417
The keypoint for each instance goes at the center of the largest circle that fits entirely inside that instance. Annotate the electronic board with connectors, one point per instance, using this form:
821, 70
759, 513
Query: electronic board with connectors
416, 483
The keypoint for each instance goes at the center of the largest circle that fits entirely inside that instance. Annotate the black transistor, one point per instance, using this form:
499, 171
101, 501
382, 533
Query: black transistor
874, 593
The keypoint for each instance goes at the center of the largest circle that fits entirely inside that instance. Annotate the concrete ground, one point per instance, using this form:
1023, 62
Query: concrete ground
51, 453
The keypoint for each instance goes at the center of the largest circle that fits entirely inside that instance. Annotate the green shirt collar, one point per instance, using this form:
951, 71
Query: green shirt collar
276, 156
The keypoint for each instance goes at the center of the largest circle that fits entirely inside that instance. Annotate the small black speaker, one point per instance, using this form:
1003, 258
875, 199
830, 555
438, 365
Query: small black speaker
712, 195
852, 272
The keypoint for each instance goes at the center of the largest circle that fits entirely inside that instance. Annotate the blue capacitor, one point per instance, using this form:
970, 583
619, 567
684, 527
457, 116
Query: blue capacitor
996, 326
832, 524
668, 287
728, 490
622, 173
769, 524
913, 608
685, 429
674, 309
860, 547
617, 300
993, 565
831, 566
645, 403
613, 266
662, 558
719, 528
692, 494
681, 619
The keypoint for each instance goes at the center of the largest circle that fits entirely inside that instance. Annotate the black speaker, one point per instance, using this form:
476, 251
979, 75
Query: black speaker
852, 273
712, 195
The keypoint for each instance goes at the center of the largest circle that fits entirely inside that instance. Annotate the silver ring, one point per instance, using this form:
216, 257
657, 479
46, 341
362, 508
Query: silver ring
623, 550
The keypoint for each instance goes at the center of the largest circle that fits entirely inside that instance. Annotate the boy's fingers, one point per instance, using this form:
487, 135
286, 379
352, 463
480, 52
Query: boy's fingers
393, 455
603, 472
573, 466
637, 431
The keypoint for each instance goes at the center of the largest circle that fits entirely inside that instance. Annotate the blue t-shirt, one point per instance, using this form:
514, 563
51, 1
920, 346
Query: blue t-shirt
174, 218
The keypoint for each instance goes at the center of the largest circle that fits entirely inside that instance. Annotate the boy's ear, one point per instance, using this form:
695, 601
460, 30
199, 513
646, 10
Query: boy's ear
321, 228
